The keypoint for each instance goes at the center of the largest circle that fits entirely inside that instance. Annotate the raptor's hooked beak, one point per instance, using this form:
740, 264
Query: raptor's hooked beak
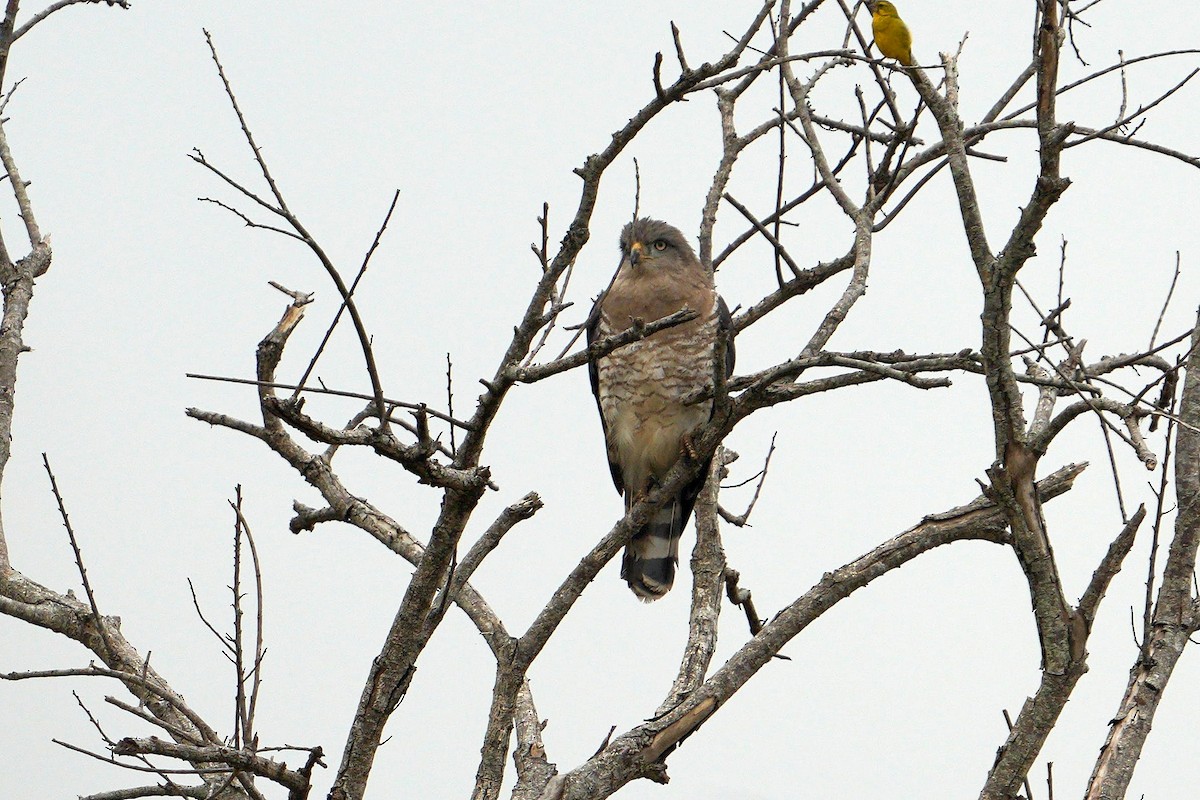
636, 251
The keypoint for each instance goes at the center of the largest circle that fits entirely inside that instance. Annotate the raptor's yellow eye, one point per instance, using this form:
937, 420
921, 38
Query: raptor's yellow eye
660, 245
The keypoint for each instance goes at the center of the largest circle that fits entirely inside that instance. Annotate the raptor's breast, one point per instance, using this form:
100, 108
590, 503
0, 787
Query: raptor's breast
647, 393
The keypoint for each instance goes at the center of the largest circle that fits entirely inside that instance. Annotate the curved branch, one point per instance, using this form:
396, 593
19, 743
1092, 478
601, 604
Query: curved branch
1176, 615
282, 209
708, 573
636, 754
57, 6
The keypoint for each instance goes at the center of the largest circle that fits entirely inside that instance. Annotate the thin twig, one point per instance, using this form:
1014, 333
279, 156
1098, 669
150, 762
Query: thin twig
241, 733
450, 400
741, 520
353, 286
282, 209
1142, 109
222, 638
1008, 722
199, 792
101, 628
19, 191
136, 768
108, 740
1166, 303
1160, 512
174, 730
335, 392
780, 251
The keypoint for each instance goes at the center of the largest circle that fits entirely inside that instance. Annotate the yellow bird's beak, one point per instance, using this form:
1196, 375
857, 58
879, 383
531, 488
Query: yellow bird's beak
636, 251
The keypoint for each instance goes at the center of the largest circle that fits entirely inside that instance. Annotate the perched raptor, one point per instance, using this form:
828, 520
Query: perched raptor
643, 388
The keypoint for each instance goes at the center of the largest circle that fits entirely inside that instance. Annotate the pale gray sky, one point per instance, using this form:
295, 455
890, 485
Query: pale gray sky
477, 115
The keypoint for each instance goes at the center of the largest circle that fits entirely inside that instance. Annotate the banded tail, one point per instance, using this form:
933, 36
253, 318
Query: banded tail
648, 565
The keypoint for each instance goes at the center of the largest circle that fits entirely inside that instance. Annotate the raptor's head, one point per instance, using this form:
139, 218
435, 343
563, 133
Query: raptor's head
651, 243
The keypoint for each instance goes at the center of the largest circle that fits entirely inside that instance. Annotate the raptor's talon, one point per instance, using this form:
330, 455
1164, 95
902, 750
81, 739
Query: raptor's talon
687, 448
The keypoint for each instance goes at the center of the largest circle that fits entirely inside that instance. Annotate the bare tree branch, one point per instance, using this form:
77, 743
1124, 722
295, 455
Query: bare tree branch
636, 754
1175, 616
61, 4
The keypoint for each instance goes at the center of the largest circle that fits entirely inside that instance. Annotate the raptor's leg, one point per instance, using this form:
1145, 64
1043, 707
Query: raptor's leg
632, 498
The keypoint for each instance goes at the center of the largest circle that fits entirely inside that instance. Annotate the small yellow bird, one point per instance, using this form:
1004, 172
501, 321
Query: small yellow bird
891, 34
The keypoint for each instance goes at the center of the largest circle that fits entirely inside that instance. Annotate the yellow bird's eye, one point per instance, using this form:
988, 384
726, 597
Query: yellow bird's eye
660, 245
